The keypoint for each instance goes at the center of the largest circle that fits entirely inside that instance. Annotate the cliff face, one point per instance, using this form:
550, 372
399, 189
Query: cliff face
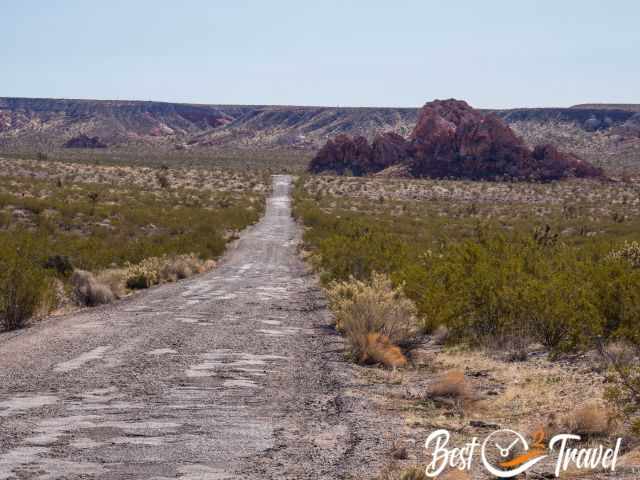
596, 132
451, 139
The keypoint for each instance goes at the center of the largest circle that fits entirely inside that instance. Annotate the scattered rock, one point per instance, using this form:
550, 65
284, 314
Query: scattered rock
84, 141
481, 424
400, 453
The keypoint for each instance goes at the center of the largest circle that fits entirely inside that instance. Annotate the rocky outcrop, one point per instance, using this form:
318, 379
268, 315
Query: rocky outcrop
83, 141
345, 154
388, 149
451, 139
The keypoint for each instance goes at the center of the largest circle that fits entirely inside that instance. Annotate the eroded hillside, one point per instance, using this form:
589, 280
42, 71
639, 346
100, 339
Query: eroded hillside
607, 135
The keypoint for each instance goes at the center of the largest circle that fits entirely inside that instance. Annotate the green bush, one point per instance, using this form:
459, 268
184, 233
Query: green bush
511, 290
25, 287
506, 290
93, 227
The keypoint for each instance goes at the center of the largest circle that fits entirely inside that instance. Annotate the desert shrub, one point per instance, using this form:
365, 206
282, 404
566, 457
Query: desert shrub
115, 279
616, 288
26, 288
163, 180
89, 291
510, 290
375, 317
589, 420
349, 247
60, 263
630, 252
97, 227
183, 266
154, 270
488, 285
144, 274
415, 473
359, 251
623, 392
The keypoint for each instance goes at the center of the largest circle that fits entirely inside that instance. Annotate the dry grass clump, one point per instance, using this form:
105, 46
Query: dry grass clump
144, 274
376, 317
452, 384
115, 279
629, 252
155, 270
89, 291
590, 420
113, 283
415, 473
184, 266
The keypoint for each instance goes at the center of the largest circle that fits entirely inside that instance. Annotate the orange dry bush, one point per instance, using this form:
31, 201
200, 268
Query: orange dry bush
378, 348
452, 384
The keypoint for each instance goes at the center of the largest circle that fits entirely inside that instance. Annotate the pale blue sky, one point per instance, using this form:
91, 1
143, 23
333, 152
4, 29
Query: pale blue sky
381, 53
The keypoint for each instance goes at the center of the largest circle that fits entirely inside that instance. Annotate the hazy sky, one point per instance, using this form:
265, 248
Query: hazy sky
328, 52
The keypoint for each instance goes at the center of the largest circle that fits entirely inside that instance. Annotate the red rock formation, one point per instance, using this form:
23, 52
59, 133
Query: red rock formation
549, 163
388, 149
343, 153
451, 139
357, 156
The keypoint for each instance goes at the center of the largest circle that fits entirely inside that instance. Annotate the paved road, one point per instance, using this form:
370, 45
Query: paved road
232, 374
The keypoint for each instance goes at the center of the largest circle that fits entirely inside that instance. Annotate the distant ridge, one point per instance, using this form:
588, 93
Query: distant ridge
606, 134
630, 107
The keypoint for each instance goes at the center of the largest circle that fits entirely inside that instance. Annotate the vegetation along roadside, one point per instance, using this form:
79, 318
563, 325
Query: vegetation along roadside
83, 234
510, 271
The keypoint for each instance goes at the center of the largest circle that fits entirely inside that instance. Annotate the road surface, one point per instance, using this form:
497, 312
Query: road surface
231, 374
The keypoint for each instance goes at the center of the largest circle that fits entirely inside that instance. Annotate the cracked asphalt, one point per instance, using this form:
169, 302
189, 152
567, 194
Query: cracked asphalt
231, 374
